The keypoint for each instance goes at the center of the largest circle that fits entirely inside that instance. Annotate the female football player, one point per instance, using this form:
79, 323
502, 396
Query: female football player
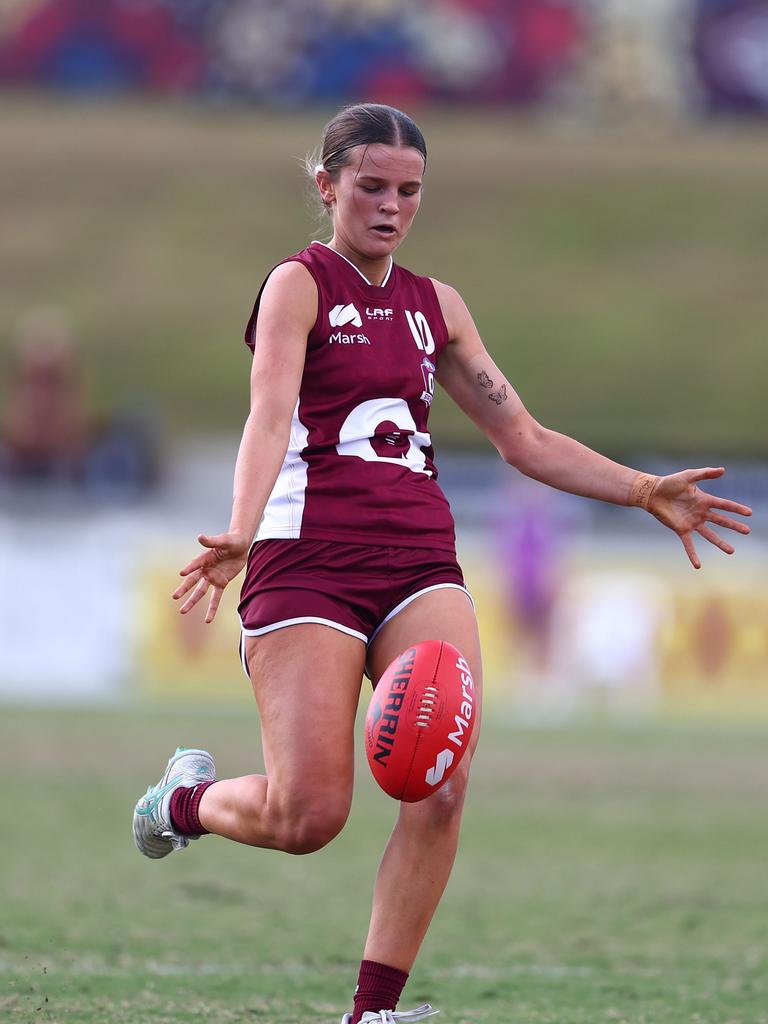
353, 559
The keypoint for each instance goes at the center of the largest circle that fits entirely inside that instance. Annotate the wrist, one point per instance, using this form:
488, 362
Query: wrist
641, 489
244, 535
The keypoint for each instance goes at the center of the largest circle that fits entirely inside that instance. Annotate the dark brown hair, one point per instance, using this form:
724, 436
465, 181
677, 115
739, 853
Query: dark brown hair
364, 124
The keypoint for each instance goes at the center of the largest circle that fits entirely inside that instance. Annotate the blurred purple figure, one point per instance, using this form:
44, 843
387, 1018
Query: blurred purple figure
530, 541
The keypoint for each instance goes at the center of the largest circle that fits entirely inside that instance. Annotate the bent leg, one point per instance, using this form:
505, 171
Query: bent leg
306, 679
420, 854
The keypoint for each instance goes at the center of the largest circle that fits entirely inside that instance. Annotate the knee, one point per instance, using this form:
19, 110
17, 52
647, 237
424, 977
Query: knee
442, 810
311, 825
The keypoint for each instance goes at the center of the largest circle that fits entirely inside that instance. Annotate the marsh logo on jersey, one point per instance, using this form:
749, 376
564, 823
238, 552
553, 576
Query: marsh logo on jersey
342, 315
338, 338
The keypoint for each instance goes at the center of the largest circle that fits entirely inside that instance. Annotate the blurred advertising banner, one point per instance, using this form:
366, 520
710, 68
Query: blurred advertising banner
86, 614
181, 655
629, 635
67, 607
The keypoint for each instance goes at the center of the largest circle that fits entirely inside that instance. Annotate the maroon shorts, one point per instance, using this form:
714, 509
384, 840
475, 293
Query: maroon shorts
354, 588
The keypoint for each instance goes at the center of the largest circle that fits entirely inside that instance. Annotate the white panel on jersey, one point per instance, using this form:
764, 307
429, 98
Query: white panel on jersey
285, 507
358, 435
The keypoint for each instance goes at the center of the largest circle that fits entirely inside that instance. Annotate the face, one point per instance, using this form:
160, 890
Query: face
374, 197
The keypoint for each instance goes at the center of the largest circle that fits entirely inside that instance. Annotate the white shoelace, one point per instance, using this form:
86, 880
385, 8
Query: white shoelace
394, 1016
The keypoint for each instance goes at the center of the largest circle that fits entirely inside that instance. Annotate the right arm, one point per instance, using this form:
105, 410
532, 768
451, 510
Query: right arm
287, 313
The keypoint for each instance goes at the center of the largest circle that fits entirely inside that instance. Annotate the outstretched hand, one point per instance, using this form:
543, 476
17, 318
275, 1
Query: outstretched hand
223, 559
678, 503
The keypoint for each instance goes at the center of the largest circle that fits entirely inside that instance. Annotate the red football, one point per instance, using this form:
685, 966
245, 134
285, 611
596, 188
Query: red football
420, 720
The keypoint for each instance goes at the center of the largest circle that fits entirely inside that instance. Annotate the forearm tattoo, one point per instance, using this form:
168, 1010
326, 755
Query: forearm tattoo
495, 396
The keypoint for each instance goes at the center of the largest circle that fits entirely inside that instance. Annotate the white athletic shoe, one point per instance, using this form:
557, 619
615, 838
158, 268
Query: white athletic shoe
393, 1016
153, 832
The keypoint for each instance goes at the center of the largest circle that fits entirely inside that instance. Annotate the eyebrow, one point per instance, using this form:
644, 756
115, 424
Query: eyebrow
375, 177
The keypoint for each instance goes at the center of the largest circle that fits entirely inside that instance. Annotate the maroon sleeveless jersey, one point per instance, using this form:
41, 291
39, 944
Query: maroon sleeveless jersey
359, 465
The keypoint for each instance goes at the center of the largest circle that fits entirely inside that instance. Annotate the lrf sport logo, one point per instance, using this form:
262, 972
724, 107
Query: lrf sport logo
375, 313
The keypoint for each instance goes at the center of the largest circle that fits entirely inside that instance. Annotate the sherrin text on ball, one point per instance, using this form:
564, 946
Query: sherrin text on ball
420, 720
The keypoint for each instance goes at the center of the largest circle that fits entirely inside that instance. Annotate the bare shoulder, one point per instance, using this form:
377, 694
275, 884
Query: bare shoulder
455, 313
291, 289
447, 296
293, 273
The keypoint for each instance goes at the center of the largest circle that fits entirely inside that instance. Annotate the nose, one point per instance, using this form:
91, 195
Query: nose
389, 203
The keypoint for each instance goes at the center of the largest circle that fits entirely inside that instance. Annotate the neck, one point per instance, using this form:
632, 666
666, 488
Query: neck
374, 268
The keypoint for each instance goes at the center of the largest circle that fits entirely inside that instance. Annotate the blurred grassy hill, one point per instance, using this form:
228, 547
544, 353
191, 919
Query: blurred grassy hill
620, 281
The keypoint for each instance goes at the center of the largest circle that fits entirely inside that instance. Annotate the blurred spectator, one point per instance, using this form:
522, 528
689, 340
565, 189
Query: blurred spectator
44, 428
297, 50
609, 57
637, 58
48, 437
531, 542
731, 53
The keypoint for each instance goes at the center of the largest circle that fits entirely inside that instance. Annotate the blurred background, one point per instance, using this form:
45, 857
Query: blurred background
596, 190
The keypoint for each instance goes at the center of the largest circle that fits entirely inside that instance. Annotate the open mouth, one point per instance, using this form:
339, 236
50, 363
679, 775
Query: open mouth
385, 230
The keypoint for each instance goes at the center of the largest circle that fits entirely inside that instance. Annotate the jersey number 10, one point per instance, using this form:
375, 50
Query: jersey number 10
422, 335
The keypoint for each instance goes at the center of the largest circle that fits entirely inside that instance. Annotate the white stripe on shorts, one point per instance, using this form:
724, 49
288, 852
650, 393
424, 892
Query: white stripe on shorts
292, 622
408, 600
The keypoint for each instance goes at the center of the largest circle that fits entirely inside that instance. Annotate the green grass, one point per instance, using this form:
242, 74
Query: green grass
619, 280
612, 875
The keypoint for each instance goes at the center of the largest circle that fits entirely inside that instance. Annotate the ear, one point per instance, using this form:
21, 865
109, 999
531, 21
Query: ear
325, 187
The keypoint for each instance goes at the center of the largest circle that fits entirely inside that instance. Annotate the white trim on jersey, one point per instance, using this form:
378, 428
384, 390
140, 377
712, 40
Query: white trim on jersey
386, 276
284, 510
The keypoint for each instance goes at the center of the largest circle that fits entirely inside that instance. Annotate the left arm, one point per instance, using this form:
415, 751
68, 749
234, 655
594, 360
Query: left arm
480, 389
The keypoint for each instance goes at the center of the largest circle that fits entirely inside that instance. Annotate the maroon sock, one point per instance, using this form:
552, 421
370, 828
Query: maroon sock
185, 803
378, 988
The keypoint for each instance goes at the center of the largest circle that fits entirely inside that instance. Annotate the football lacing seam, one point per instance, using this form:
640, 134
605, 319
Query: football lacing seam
425, 723
428, 701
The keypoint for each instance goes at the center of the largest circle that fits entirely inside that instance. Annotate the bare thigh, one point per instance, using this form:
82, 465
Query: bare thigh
306, 679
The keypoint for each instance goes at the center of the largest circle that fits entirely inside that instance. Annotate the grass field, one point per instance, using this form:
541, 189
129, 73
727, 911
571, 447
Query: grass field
605, 876
619, 280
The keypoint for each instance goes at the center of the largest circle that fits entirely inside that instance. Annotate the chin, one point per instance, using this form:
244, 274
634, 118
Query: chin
386, 246
376, 250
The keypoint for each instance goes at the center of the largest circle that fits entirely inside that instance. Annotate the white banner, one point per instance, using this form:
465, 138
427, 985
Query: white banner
67, 619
